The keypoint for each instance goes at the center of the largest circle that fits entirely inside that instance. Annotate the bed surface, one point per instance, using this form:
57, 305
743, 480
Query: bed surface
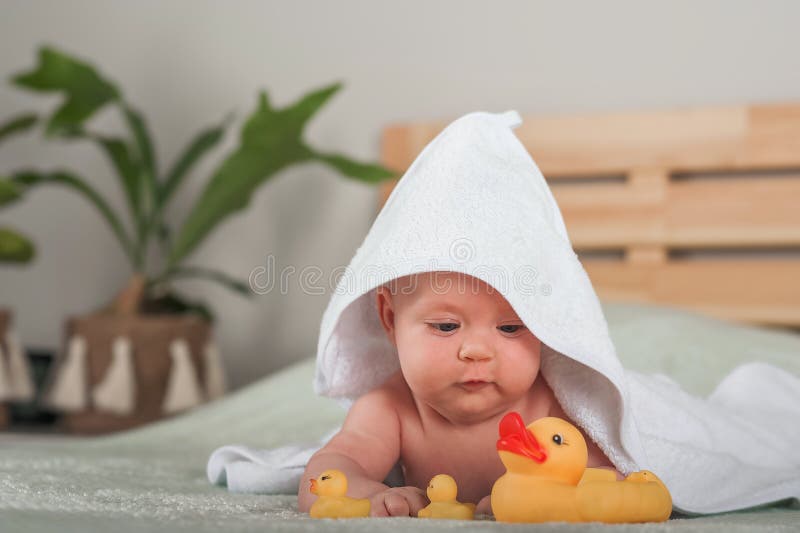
154, 478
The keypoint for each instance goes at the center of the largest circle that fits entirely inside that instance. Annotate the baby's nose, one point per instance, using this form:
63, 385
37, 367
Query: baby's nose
475, 352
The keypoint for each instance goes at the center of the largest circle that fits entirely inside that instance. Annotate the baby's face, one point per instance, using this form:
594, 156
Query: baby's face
462, 348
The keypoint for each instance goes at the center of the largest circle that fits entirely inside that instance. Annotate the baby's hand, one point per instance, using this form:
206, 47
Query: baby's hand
398, 501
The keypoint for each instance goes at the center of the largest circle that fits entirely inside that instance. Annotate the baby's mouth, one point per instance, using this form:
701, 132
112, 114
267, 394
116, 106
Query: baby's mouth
474, 384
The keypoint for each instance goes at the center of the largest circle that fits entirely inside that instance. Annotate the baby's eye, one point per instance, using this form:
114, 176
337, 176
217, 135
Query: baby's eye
444, 326
510, 328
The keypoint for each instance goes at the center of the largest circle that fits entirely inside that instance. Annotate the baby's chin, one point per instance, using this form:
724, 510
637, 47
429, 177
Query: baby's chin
471, 406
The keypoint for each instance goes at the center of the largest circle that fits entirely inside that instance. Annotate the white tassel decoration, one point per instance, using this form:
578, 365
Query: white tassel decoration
183, 390
215, 373
19, 375
68, 392
116, 393
5, 385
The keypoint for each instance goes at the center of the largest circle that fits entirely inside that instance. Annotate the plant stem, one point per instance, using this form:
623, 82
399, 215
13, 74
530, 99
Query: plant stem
129, 299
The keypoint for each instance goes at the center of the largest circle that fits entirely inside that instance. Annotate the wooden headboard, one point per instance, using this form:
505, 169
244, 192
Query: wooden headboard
695, 208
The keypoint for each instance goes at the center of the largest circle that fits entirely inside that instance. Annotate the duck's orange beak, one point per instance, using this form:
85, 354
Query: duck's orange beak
515, 438
313, 486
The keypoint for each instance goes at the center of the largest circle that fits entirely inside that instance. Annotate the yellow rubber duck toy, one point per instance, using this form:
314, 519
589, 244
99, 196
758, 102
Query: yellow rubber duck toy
547, 480
442, 492
331, 487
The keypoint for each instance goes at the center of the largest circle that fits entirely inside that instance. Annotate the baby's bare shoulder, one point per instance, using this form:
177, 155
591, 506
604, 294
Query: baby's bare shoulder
389, 397
376, 414
396, 389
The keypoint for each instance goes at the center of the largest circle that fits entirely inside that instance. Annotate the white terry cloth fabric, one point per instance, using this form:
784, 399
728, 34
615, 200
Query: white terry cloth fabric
275, 471
475, 202
736, 449
246, 469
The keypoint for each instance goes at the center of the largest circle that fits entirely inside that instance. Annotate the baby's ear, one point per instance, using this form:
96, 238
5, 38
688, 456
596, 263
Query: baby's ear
385, 307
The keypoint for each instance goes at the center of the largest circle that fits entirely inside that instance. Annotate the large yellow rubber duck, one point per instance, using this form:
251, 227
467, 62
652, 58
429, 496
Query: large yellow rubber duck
331, 487
547, 480
442, 492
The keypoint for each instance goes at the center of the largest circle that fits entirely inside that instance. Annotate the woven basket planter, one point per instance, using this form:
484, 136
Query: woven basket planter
16, 384
120, 371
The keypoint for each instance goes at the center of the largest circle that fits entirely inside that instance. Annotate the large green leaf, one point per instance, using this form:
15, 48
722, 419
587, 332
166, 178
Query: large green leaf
15, 247
271, 140
362, 171
17, 124
124, 162
127, 168
32, 178
199, 146
144, 146
9, 192
85, 91
299, 114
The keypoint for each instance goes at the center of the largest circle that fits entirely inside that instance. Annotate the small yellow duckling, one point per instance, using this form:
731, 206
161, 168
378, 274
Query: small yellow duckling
442, 492
546, 479
331, 487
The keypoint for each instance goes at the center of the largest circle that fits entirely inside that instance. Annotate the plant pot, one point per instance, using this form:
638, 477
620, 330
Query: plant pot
152, 360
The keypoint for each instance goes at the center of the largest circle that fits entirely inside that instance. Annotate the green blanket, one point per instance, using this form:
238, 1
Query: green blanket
154, 478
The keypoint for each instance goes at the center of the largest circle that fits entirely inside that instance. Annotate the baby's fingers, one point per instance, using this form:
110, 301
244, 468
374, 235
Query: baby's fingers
416, 499
377, 506
396, 504
388, 504
399, 501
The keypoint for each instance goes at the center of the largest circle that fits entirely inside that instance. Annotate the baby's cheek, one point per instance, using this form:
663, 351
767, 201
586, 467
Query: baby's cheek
417, 365
519, 373
428, 375
434, 373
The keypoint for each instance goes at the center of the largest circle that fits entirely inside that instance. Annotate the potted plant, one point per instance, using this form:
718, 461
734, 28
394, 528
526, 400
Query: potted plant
148, 352
15, 248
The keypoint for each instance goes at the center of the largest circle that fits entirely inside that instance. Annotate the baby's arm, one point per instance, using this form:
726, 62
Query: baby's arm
597, 459
365, 449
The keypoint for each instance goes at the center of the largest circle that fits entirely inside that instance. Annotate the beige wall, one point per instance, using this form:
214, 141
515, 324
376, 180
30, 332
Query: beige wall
186, 63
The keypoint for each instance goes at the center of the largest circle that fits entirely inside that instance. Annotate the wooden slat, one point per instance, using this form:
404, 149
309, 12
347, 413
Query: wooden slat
730, 138
646, 254
764, 291
739, 212
650, 184
703, 139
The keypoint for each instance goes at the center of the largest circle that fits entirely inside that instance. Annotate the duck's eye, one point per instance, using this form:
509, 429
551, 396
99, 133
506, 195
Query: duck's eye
557, 439
323, 478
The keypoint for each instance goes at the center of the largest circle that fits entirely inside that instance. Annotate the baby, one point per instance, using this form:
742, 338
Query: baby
466, 359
